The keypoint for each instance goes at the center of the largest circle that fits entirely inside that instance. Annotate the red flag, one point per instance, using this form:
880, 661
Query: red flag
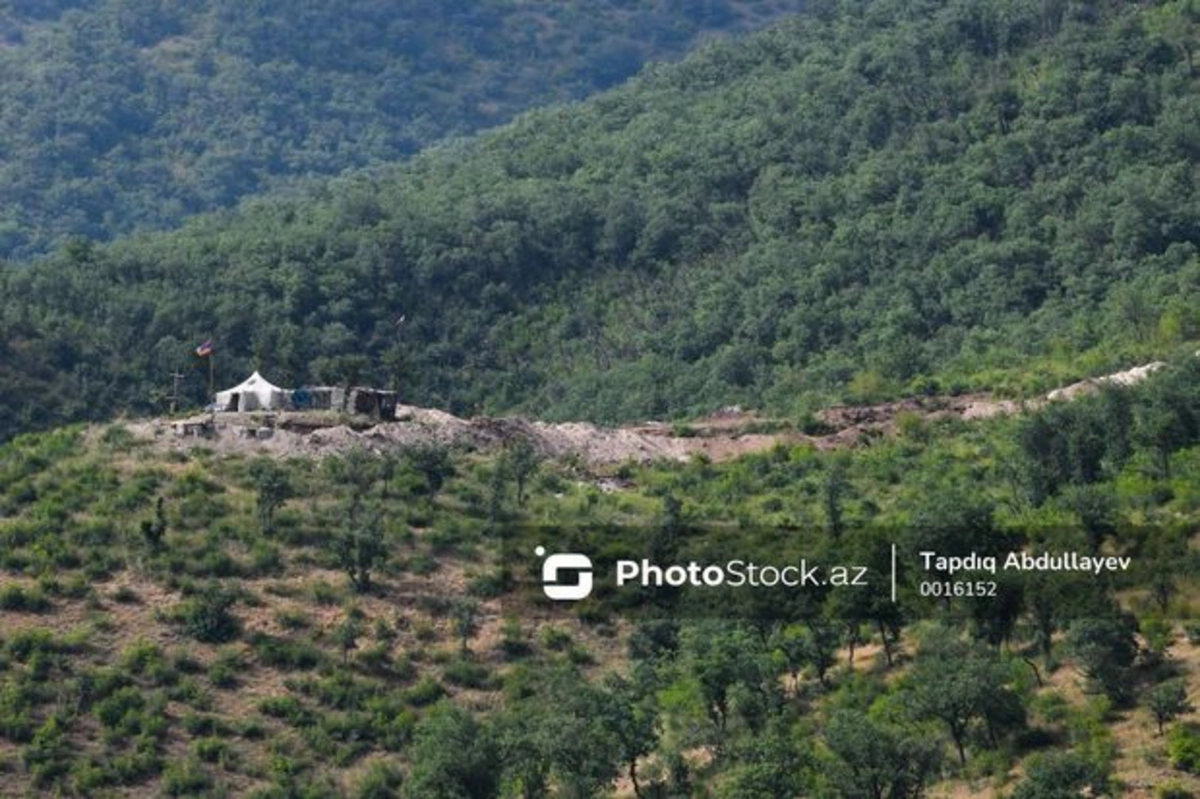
205, 349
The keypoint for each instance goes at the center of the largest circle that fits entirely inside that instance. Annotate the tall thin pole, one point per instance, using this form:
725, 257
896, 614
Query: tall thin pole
175, 378
212, 379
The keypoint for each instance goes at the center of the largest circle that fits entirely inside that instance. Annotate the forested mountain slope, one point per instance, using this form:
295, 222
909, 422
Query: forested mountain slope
873, 198
127, 114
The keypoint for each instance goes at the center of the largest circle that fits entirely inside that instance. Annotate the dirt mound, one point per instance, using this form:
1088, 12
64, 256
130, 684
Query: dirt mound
883, 418
726, 434
1129, 377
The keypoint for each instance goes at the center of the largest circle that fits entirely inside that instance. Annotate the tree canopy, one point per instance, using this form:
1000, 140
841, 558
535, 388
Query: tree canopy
122, 115
870, 199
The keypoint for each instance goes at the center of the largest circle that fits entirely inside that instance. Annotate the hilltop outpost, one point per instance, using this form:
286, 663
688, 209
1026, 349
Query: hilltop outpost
256, 393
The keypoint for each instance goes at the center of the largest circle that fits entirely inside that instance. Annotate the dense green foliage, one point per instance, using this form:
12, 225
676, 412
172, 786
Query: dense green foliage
129, 114
841, 206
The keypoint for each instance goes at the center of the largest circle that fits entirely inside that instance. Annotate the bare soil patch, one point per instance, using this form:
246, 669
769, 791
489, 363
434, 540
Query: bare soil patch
727, 434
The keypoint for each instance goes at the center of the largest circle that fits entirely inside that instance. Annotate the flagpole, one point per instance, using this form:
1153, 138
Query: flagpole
206, 350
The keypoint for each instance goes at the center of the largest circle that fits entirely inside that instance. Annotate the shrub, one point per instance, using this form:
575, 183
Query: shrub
184, 663
225, 670
135, 766
48, 755
105, 682
513, 642
1173, 790
23, 644
213, 750
1158, 635
145, 659
580, 656
118, 437
392, 727
555, 639
135, 492
77, 587
121, 709
468, 674
195, 483
252, 730
381, 781
189, 692
20, 600
490, 584
203, 724
1056, 774
425, 631
1183, 747
206, 617
186, 778
265, 560
423, 564
16, 723
289, 709
376, 659
351, 733
425, 692
285, 654
293, 619
339, 690
324, 594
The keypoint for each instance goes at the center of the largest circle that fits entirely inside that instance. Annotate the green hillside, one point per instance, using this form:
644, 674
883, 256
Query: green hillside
179, 621
123, 115
876, 198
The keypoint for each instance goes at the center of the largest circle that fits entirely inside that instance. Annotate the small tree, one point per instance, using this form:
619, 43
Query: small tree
520, 461
820, 647
1105, 649
346, 635
274, 489
357, 470
833, 491
359, 548
153, 531
731, 670
433, 463
572, 734
1097, 512
961, 683
1059, 774
877, 759
453, 754
664, 537
774, 762
496, 494
632, 717
466, 622
1167, 701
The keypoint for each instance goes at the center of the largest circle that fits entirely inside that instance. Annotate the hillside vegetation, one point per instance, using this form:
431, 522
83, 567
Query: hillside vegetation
123, 115
874, 198
369, 624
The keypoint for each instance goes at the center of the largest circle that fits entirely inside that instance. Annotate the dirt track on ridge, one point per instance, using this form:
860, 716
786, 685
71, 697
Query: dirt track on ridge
727, 434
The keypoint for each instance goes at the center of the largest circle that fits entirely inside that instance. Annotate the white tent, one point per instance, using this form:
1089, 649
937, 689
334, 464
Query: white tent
255, 393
